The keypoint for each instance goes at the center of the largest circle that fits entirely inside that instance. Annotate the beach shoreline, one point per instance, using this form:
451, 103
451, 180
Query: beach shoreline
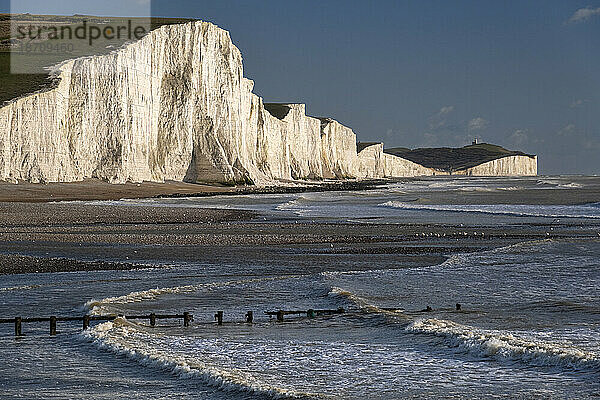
94, 189
585, 190
39, 233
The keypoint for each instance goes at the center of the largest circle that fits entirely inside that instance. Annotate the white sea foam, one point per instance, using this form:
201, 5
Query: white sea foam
477, 189
512, 188
506, 346
122, 338
329, 274
18, 288
557, 184
520, 210
572, 185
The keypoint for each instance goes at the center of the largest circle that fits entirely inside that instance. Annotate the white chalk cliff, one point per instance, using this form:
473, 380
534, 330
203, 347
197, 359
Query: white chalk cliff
176, 106
375, 163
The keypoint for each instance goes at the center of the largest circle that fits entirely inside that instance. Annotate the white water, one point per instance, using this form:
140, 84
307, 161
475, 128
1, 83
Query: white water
522, 210
509, 346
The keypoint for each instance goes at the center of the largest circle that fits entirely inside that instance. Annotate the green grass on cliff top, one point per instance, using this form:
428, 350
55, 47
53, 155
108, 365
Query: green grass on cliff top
13, 86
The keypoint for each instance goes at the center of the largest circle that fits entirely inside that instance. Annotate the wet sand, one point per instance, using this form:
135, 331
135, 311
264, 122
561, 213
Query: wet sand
38, 236
54, 237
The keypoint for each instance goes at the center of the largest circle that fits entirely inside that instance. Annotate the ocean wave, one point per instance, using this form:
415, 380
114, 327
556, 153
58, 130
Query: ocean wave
364, 305
17, 288
572, 185
512, 188
519, 210
292, 204
330, 274
477, 189
505, 346
104, 306
559, 184
531, 245
121, 337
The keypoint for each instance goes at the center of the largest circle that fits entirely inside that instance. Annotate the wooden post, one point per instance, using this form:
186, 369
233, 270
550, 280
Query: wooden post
86, 322
186, 319
18, 331
249, 317
152, 319
52, 326
219, 317
280, 315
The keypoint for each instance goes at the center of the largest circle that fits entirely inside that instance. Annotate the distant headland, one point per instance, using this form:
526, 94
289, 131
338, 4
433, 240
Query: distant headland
175, 106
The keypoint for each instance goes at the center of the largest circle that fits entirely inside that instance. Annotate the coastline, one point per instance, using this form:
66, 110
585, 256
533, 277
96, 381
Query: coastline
54, 228
94, 189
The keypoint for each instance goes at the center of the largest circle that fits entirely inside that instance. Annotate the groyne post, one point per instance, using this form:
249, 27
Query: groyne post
86, 319
249, 317
18, 331
219, 317
52, 326
280, 315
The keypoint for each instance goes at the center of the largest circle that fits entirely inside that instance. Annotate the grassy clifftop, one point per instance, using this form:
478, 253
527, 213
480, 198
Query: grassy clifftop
454, 159
16, 85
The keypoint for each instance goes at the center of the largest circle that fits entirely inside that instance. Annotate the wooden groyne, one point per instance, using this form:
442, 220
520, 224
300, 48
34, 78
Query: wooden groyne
152, 318
86, 319
311, 313
186, 317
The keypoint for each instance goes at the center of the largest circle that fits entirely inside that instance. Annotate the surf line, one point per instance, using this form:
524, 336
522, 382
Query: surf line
186, 317
135, 297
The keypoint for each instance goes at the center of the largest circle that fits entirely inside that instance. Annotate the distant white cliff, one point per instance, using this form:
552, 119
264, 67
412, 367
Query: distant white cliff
176, 106
374, 162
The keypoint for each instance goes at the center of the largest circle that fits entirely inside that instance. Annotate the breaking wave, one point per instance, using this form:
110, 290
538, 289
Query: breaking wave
505, 346
364, 305
122, 338
103, 306
521, 210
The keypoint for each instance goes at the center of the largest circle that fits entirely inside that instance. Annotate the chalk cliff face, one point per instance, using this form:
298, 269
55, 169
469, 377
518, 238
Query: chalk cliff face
375, 163
172, 106
338, 150
506, 166
176, 106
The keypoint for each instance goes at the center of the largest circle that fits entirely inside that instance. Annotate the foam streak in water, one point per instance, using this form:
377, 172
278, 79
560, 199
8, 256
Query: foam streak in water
505, 346
122, 338
521, 210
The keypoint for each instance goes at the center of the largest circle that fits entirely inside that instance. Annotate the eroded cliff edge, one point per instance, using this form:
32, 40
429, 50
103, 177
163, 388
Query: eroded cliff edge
176, 106
172, 106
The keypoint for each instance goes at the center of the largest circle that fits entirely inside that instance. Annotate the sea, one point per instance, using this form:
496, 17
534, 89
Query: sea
528, 327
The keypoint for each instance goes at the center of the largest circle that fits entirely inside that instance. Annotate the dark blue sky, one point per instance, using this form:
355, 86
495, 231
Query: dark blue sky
523, 74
